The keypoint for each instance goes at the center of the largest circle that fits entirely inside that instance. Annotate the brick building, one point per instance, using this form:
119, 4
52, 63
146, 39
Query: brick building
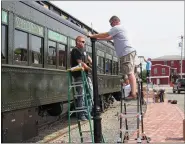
167, 69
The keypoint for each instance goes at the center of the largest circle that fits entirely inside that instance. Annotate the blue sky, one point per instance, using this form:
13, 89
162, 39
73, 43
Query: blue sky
153, 27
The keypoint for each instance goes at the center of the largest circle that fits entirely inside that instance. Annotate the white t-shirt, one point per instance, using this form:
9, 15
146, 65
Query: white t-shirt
127, 90
121, 43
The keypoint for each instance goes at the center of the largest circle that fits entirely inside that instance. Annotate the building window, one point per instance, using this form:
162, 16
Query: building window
163, 70
4, 43
155, 70
21, 46
175, 71
165, 62
62, 55
37, 49
172, 63
51, 59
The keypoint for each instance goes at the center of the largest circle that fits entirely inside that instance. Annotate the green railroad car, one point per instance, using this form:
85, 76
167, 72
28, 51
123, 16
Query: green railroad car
37, 38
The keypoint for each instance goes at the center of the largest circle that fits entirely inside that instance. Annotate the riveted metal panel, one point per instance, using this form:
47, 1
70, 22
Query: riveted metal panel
26, 87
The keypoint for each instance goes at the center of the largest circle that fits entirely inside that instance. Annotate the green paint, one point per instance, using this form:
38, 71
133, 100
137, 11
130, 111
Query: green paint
100, 53
4, 17
57, 37
115, 59
28, 26
72, 43
108, 56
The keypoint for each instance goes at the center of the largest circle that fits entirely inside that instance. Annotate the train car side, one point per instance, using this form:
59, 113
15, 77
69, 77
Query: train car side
36, 48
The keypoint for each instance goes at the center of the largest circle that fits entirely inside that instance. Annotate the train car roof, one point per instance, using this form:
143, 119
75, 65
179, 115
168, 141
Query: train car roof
77, 20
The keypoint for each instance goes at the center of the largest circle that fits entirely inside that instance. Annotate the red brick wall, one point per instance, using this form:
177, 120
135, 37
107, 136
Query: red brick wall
163, 81
175, 65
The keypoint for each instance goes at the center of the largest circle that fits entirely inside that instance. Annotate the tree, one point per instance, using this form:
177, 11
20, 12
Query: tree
144, 75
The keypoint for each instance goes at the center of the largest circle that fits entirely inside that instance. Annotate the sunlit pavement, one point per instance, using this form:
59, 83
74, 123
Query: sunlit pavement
163, 122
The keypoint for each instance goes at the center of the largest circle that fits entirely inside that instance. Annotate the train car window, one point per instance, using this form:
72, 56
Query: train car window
108, 66
37, 49
21, 46
100, 64
4, 43
62, 55
115, 66
51, 59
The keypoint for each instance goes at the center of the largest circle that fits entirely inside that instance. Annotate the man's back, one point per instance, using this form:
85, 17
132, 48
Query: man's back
148, 65
122, 46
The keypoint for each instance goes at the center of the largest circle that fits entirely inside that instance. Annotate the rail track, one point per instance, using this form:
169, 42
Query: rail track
56, 131
58, 126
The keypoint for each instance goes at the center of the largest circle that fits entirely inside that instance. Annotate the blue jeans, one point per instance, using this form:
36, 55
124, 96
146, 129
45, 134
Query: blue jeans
80, 100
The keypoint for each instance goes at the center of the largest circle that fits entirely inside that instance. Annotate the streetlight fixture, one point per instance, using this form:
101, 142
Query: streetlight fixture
181, 46
97, 111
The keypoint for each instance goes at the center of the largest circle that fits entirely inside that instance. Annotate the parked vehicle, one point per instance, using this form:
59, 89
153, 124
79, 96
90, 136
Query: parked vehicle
179, 85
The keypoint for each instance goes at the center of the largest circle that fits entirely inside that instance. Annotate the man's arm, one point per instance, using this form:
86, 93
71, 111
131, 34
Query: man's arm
101, 36
89, 59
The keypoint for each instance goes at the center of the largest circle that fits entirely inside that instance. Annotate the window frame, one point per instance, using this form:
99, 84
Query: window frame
30, 56
62, 67
155, 70
5, 61
163, 71
57, 50
23, 63
29, 62
110, 60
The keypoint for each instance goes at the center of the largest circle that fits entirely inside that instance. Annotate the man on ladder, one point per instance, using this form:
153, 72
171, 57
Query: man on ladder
79, 55
148, 69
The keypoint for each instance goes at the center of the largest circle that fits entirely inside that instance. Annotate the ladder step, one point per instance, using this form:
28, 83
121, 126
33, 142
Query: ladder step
131, 104
75, 85
124, 130
80, 108
78, 95
78, 111
128, 116
130, 113
86, 131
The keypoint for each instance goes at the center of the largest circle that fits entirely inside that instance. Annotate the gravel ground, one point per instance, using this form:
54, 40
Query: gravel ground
110, 125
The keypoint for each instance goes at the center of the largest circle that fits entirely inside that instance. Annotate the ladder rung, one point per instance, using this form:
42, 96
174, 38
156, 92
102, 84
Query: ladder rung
86, 131
124, 130
130, 113
76, 85
78, 95
78, 111
131, 105
128, 116
80, 108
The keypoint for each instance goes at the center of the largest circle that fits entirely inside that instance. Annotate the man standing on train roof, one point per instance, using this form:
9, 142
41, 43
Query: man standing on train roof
124, 50
79, 55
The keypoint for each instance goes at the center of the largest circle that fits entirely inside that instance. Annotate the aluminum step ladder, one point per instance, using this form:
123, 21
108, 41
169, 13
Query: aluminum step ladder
87, 98
125, 115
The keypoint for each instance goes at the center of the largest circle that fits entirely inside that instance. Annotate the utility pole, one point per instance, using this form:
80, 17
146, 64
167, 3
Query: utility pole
181, 45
